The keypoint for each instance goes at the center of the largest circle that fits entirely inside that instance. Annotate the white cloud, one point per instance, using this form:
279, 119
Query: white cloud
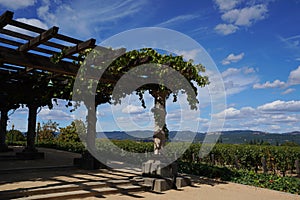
281, 106
17, 4
277, 115
291, 42
131, 109
233, 113
54, 115
246, 16
294, 77
176, 20
192, 54
288, 91
227, 4
202, 120
275, 127
232, 58
31, 21
268, 84
238, 79
235, 18
90, 16
226, 29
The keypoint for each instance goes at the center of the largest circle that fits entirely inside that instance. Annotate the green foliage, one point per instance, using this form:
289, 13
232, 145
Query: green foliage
290, 144
14, 136
270, 181
70, 133
47, 131
206, 170
76, 147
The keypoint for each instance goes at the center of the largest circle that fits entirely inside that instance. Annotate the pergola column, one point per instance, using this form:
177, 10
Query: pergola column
91, 127
30, 152
88, 161
32, 115
3, 127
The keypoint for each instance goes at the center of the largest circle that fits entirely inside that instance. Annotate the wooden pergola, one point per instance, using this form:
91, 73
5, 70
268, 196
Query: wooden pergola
25, 61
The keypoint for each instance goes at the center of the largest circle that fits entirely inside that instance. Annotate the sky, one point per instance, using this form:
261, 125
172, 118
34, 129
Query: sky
254, 44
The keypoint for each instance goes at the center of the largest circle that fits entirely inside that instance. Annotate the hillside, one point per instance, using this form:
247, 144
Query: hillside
228, 137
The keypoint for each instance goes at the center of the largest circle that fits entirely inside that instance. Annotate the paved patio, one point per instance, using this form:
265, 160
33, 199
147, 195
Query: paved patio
55, 175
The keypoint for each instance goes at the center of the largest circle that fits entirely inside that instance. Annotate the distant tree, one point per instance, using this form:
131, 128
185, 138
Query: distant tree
47, 131
266, 143
290, 144
15, 135
220, 140
71, 133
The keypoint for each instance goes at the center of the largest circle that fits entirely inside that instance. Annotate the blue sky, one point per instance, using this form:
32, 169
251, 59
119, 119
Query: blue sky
255, 45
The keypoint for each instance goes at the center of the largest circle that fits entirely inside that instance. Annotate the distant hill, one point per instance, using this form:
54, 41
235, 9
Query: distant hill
227, 137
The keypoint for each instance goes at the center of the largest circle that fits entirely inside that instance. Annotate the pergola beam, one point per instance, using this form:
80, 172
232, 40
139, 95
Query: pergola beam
26, 37
34, 42
31, 60
6, 18
79, 47
40, 30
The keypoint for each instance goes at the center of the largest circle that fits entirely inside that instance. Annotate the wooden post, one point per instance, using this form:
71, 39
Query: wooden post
264, 165
236, 162
212, 159
297, 167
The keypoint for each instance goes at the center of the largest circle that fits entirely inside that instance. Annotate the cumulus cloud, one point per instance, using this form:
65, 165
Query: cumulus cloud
235, 18
233, 113
246, 16
131, 109
281, 106
31, 21
294, 77
54, 115
288, 91
268, 84
17, 4
192, 54
226, 29
226, 4
232, 58
281, 114
238, 79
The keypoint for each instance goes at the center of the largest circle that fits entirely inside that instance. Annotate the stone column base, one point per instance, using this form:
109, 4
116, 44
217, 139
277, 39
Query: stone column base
160, 185
159, 169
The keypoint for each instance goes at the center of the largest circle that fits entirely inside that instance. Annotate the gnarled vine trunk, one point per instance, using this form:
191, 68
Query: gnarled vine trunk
160, 128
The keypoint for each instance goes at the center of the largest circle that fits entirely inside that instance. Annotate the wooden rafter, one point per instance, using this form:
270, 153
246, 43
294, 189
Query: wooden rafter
78, 48
34, 42
36, 61
6, 18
